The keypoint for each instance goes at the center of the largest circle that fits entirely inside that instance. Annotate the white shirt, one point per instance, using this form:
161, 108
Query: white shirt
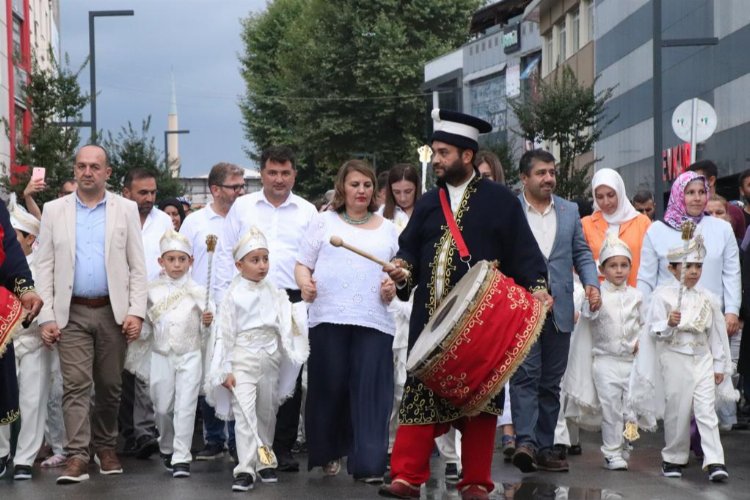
456, 193
196, 227
616, 325
348, 285
283, 227
721, 267
400, 217
157, 223
543, 225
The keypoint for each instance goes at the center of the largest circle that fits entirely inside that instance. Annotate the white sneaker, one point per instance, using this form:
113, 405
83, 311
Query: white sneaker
615, 463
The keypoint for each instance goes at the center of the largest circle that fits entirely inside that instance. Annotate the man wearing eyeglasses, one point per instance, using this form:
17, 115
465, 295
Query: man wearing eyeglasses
92, 277
226, 181
283, 217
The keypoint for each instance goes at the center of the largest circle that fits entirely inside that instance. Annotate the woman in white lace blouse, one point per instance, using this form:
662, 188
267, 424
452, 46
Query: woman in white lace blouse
350, 369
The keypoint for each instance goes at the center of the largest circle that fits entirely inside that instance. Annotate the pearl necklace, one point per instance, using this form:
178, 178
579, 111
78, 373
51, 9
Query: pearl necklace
356, 222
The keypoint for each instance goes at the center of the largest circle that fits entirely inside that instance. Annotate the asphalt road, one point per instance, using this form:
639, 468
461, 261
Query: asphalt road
146, 479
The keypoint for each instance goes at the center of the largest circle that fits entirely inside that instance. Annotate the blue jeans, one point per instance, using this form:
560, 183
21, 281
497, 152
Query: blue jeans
535, 389
213, 427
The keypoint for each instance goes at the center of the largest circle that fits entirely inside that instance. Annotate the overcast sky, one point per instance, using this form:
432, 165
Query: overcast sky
197, 39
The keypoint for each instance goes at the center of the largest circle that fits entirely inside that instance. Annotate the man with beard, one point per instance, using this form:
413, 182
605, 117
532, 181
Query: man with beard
535, 387
494, 228
136, 410
643, 202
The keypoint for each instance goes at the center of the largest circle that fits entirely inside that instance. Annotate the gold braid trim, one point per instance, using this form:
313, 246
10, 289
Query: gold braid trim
10, 417
22, 285
9, 324
447, 239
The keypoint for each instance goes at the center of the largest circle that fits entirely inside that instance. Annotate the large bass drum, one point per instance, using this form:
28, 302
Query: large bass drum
476, 339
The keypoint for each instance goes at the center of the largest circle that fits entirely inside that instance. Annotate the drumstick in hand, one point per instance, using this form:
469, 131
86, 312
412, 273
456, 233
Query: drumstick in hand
338, 242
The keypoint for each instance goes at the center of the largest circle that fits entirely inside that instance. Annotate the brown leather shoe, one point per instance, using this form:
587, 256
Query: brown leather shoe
550, 461
399, 489
523, 458
107, 460
474, 492
76, 470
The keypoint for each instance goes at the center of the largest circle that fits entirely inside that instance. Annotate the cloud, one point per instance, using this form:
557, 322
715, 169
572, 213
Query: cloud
198, 40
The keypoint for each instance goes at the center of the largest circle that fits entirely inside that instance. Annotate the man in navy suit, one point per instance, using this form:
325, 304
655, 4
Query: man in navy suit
535, 387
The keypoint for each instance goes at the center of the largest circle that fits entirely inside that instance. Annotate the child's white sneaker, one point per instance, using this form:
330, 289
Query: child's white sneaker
615, 463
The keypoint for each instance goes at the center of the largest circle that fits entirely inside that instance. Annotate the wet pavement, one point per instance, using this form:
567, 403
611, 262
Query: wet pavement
587, 479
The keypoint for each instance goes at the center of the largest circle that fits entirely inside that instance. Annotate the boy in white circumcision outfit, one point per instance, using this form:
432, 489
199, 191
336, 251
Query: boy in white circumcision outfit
175, 327
254, 334
615, 328
691, 360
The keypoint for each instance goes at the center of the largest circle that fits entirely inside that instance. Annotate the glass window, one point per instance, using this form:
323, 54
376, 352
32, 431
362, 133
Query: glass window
562, 49
549, 62
590, 12
575, 31
16, 40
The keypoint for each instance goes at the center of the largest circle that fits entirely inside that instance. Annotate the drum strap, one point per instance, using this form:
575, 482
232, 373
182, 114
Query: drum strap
463, 250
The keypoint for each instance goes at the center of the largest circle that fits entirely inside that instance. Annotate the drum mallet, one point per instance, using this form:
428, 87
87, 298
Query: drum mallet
337, 241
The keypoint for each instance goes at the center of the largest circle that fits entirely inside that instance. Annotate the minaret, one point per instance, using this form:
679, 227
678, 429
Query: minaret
173, 140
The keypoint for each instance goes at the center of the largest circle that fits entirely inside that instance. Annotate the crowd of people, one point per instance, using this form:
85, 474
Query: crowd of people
245, 313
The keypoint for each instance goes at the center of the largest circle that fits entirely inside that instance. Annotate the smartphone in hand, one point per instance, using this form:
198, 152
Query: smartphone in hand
37, 173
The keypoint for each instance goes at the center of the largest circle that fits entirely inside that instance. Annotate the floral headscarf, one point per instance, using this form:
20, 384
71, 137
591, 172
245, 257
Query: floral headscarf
676, 212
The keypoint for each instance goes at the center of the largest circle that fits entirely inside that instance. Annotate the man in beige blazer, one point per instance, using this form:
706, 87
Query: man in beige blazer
92, 278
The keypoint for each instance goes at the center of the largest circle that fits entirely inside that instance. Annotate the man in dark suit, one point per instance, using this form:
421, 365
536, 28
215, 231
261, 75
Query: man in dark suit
535, 387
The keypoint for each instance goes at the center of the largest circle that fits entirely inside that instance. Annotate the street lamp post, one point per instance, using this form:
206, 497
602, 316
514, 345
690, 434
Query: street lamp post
166, 144
92, 59
658, 44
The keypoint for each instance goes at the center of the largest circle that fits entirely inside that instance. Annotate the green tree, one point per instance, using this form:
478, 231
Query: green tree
132, 148
52, 96
569, 114
336, 80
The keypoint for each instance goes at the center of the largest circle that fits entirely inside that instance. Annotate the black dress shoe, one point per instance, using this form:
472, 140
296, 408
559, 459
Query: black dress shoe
146, 446
286, 462
575, 450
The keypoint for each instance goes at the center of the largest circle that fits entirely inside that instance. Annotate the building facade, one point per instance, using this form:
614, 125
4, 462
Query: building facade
718, 74
31, 29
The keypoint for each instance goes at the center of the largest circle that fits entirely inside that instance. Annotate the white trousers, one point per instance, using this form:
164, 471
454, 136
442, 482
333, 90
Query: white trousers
33, 369
449, 446
54, 432
255, 405
567, 432
689, 385
175, 382
507, 417
611, 379
399, 379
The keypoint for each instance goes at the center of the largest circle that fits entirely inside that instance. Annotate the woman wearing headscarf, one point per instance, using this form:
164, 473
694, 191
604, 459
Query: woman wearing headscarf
721, 267
613, 213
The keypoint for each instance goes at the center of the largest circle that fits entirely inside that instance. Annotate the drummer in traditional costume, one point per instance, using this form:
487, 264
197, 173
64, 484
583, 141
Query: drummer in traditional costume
493, 227
15, 283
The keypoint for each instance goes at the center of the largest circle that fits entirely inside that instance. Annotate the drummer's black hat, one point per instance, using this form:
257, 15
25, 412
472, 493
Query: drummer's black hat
458, 129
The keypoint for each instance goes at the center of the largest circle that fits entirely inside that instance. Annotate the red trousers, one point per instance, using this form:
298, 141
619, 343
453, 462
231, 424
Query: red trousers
410, 460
